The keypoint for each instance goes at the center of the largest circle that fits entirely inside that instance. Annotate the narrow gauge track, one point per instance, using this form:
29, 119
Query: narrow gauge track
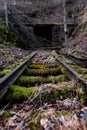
44, 97
72, 73
11, 77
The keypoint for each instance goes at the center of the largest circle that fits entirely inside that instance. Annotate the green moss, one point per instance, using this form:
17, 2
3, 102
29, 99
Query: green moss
83, 97
31, 80
79, 57
4, 72
6, 114
79, 69
63, 112
37, 66
41, 66
34, 120
84, 76
63, 70
59, 113
68, 113
83, 28
44, 71
68, 61
56, 79
60, 93
33, 126
14, 65
19, 93
11, 66
3, 29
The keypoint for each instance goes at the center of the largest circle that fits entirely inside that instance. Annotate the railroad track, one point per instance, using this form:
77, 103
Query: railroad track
72, 73
10, 78
47, 90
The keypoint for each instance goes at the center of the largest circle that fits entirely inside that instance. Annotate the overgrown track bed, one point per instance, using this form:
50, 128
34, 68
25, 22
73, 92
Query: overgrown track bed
11, 77
71, 72
45, 98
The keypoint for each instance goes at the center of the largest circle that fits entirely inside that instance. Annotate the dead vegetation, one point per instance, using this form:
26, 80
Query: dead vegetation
47, 106
38, 113
77, 44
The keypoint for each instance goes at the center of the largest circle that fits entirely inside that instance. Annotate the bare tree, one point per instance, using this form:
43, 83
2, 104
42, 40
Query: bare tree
5, 2
65, 21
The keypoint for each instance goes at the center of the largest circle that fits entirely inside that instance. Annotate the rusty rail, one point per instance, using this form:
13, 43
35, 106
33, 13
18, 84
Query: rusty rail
11, 77
72, 73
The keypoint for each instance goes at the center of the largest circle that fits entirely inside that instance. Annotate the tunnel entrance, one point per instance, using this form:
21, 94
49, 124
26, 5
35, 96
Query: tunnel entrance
53, 33
44, 31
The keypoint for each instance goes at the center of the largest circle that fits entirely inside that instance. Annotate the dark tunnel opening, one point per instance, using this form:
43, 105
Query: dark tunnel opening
43, 31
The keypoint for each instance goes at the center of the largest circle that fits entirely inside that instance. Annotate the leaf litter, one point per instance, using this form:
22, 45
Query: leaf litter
39, 114
67, 114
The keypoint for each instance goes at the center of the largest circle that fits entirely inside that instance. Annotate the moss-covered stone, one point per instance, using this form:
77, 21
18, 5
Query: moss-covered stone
19, 93
4, 72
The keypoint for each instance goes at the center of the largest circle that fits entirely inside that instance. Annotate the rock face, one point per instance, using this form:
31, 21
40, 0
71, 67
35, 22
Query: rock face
50, 11
77, 44
32, 13
1, 4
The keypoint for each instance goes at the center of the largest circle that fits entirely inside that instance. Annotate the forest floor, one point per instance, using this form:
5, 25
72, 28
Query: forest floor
45, 109
37, 113
11, 55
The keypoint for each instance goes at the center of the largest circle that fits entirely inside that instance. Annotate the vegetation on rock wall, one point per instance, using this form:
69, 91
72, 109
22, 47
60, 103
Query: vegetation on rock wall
3, 31
6, 38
